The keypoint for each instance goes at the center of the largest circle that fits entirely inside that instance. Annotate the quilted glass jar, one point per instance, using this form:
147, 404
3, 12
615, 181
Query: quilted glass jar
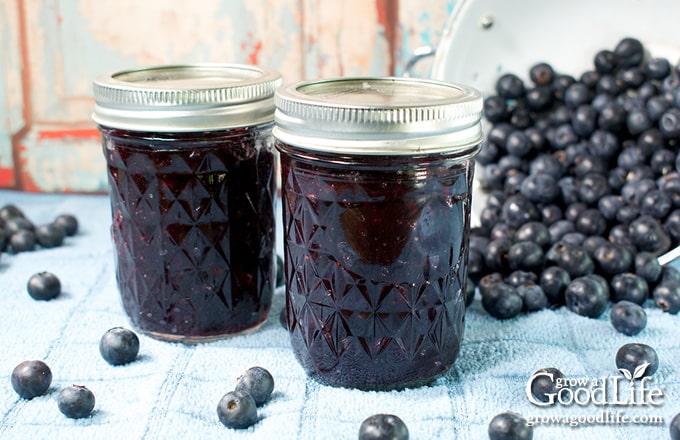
376, 187
192, 182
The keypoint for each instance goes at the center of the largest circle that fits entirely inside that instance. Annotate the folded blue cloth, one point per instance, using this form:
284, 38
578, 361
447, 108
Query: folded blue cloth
172, 390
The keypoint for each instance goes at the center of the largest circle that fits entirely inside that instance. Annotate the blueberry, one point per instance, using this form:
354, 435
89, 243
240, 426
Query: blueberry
495, 109
675, 427
510, 426
590, 222
584, 120
280, 275
44, 286
629, 287
629, 52
574, 259
560, 83
19, 223
542, 74
667, 296
469, 291
525, 255
586, 296
257, 382
612, 117
68, 222
383, 427
669, 123
576, 95
23, 240
10, 211
31, 378
519, 277
647, 266
559, 229
657, 68
488, 281
648, 235
237, 410
518, 144
592, 187
656, 203
628, 318
540, 188
496, 257
502, 301
609, 84
609, 206
119, 346
533, 297
533, 231
605, 61
545, 383
612, 259
603, 144
510, 86
554, 281
521, 117
49, 235
76, 401
539, 98
633, 356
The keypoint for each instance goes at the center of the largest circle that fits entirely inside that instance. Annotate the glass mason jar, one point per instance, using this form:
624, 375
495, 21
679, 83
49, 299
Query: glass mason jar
376, 187
192, 181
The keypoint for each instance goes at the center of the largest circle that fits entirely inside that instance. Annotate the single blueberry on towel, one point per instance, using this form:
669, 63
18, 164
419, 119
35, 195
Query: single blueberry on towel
510, 426
383, 427
258, 382
119, 346
50, 235
637, 359
68, 222
628, 318
31, 378
237, 409
76, 401
44, 286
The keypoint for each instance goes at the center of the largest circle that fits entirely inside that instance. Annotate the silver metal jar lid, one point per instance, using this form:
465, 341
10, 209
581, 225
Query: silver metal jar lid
378, 116
181, 98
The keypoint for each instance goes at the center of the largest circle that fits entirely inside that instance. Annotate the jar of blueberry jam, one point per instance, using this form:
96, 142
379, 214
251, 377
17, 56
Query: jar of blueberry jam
192, 181
376, 187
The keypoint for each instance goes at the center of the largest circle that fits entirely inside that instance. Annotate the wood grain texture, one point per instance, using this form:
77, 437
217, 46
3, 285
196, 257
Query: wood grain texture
53, 49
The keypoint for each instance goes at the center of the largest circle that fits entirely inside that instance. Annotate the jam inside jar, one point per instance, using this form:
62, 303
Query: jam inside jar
375, 263
193, 229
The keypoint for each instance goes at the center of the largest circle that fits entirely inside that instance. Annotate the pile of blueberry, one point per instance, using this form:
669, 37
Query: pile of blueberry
582, 177
19, 234
32, 378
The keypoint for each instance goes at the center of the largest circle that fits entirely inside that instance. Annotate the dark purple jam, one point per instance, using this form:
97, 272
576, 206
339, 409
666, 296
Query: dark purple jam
193, 228
376, 254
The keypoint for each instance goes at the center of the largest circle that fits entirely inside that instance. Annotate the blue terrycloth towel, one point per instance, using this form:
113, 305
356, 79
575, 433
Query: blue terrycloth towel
172, 390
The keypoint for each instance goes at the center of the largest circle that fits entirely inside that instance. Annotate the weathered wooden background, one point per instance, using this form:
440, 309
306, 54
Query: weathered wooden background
52, 49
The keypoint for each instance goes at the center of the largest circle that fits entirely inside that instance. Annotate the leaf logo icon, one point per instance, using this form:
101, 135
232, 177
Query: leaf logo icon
640, 370
626, 373
637, 374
